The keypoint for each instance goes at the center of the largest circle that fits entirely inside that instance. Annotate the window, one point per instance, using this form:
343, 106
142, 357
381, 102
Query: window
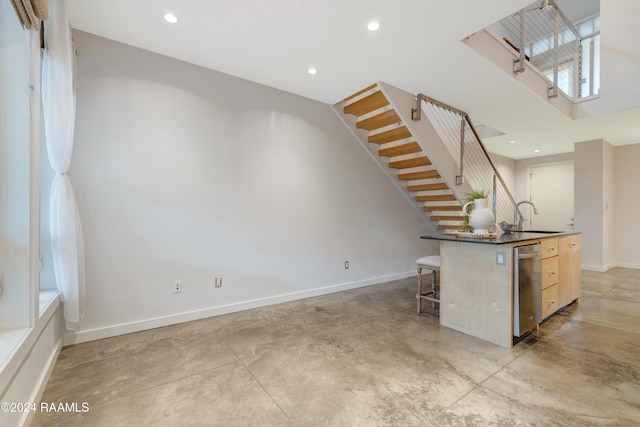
15, 171
579, 67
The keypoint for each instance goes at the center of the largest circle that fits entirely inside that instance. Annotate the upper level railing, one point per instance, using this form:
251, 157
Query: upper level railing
567, 54
474, 164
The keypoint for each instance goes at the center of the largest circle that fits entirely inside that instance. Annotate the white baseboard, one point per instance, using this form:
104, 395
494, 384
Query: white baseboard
628, 265
142, 325
605, 268
597, 268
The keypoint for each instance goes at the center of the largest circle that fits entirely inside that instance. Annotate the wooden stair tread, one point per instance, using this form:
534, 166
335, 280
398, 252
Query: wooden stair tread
390, 135
411, 176
383, 119
436, 198
428, 187
442, 208
399, 150
447, 226
367, 104
446, 218
410, 163
366, 89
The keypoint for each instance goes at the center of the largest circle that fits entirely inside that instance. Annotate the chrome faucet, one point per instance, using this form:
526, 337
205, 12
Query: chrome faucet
521, 219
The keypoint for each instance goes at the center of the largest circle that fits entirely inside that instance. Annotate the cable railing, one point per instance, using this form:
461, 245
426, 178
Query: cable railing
474, 164
542, 35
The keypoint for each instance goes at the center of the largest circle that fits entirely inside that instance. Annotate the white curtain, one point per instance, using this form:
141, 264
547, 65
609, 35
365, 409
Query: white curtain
59, 111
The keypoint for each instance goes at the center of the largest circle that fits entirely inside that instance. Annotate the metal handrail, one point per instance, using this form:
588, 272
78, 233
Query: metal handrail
566, 20
416, 115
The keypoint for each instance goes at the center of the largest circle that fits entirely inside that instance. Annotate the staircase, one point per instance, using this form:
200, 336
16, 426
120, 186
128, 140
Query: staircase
399, 151
429, 149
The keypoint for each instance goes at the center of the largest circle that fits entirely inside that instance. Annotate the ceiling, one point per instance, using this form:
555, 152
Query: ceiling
418, 48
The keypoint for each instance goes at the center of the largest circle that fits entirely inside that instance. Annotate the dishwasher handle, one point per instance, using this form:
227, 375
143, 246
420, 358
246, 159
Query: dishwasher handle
527, 256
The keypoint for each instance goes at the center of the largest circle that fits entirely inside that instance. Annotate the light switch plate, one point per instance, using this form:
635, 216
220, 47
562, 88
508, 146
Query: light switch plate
501, 258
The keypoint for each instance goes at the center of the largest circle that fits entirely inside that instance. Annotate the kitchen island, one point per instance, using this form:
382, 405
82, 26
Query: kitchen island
477, 276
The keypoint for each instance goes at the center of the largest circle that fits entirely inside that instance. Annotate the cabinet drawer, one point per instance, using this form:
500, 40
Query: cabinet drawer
549, 248
549, 272
549, 301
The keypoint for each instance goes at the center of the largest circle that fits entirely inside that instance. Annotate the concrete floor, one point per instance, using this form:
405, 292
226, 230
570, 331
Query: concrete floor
363, 358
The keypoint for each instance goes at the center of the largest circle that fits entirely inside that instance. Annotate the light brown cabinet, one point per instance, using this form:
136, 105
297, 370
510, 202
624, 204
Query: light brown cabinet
549, 248
550, 276
569, 257
550, 300
550, 271
561, 275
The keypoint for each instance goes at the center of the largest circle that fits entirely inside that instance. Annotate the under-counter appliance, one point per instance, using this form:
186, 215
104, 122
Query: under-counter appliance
527, 289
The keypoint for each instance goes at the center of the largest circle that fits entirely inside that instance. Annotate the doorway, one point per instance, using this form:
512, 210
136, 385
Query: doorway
551, 190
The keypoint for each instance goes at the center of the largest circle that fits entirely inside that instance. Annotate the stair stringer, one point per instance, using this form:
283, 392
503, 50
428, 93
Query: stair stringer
427, 138
361, 136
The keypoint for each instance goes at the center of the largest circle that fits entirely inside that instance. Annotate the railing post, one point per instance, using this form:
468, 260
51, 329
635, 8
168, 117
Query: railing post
518, 64
592, 51
578, 83
495, 196
460, 178
552, 92
416, 113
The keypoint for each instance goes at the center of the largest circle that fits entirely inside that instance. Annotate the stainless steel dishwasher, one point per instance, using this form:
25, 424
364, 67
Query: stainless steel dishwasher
527, 289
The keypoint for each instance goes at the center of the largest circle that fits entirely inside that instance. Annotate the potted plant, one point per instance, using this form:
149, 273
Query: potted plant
475, 194
480, 218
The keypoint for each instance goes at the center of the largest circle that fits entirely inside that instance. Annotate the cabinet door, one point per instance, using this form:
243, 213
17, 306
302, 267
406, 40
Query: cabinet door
550, 272
570, 257
549, 248
550, 301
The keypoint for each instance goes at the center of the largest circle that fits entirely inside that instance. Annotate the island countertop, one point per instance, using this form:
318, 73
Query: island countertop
501, 239
477, 280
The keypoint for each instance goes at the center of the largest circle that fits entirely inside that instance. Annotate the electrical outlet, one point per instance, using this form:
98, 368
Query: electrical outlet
177, 286
218, 281
346, 265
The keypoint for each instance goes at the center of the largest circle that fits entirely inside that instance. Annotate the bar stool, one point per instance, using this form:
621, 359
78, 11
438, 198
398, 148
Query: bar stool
430, 263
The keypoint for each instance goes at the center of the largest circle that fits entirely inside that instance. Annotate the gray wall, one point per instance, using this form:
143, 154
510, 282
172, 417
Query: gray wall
594, 202
183, 173
627, 205
606, 208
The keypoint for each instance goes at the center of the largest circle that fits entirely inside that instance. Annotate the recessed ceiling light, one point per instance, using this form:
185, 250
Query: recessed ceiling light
373, 26
537, 150
170, 18
312, 71
512, 142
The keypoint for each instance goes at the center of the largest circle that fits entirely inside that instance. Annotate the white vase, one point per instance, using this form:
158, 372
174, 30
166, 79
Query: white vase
481, 218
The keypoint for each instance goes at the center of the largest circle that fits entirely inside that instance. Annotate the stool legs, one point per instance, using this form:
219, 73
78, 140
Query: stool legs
419, 293
434, 290
433, 295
